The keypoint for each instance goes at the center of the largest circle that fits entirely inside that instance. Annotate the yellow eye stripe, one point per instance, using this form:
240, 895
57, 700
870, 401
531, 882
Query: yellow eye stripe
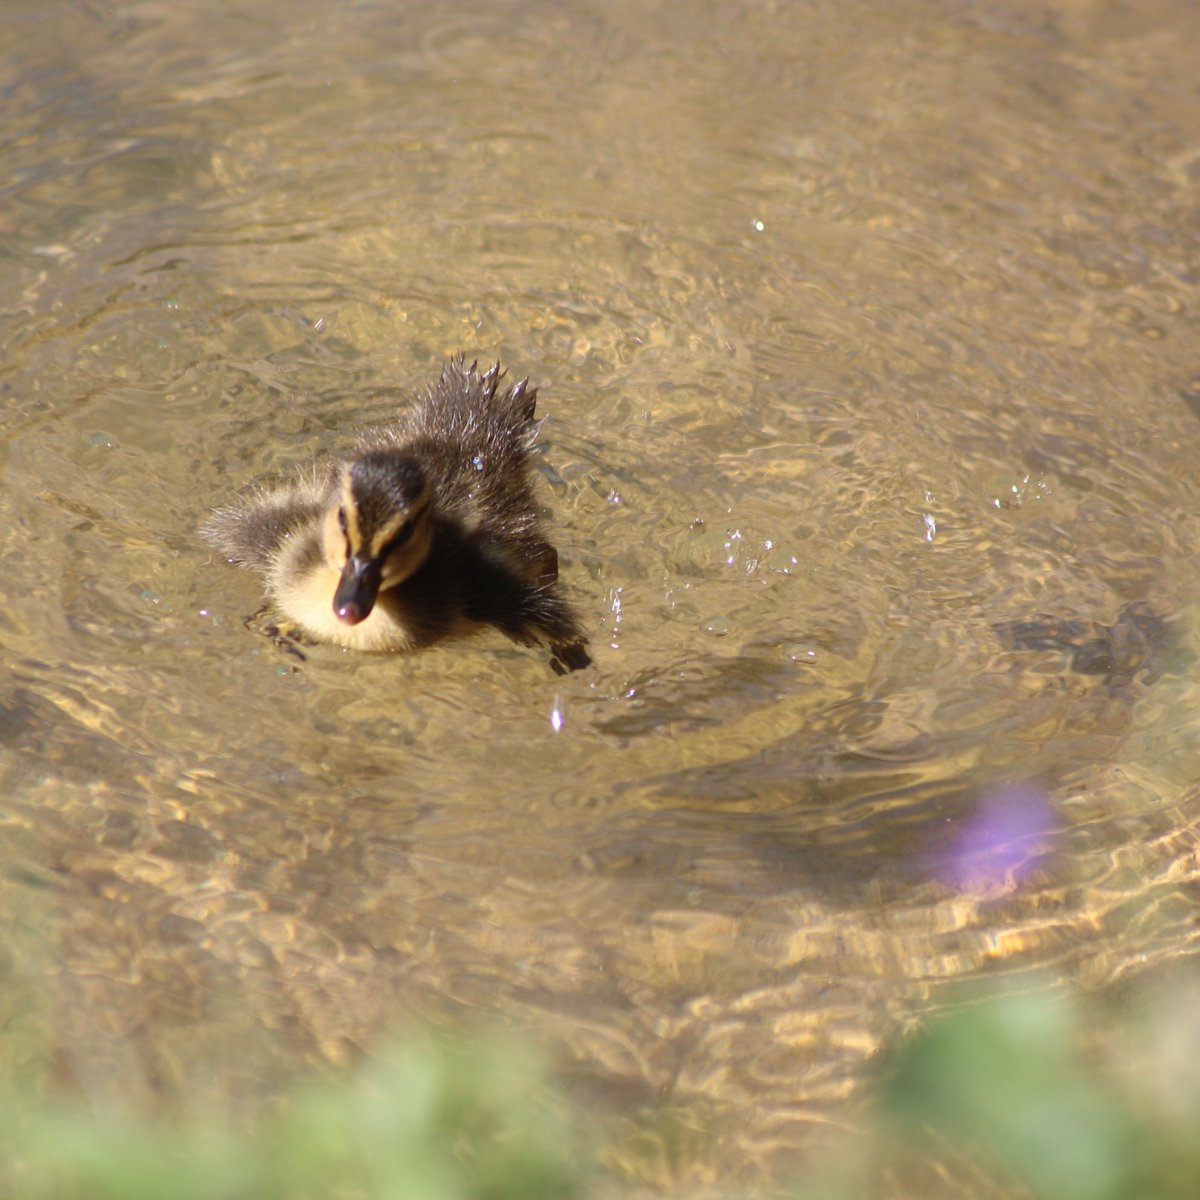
375, 543
350, 512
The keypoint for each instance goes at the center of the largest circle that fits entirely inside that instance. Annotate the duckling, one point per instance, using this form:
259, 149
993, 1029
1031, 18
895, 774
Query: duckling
427, 529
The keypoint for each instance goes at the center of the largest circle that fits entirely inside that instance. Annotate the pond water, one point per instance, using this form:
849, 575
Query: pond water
867, 337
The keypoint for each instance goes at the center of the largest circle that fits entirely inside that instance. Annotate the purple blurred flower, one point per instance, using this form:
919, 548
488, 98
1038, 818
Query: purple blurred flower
993, 850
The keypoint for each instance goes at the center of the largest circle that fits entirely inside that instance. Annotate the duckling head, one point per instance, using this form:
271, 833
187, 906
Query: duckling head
378, 529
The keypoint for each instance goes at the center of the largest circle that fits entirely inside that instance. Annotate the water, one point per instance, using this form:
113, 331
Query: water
866, 334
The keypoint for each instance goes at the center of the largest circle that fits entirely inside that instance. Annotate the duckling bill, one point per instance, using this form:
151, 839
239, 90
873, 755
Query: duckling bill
427, 529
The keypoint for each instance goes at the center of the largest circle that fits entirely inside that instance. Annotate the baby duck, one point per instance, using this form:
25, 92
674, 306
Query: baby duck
427, 529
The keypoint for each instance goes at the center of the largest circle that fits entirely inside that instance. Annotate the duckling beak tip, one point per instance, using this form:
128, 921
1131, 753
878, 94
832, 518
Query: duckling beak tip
350, 613
356, 591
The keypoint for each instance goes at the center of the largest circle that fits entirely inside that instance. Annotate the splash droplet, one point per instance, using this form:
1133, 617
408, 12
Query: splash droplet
801, 652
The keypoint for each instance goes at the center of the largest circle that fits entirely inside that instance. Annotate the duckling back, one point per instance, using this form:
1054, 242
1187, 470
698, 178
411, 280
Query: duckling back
474, 439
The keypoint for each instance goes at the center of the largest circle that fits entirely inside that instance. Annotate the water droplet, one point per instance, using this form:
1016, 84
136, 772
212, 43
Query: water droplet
801, 652
715, 626
558, 714
106, 440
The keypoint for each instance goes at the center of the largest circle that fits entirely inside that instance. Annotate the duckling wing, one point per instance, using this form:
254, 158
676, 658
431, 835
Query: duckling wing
525, 609
251, 531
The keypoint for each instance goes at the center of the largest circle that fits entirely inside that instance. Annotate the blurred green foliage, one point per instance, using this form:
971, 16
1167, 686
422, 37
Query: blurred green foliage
1037, 1094
1064, 1098
434, 1123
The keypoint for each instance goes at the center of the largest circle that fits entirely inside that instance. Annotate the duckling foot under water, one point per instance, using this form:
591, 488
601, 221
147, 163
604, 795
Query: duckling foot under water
427, 529
266, 623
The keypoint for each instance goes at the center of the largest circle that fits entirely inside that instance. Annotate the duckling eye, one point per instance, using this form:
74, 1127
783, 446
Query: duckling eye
398, 538
342, 518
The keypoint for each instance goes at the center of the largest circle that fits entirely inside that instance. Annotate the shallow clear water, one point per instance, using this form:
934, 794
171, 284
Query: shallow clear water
867, 338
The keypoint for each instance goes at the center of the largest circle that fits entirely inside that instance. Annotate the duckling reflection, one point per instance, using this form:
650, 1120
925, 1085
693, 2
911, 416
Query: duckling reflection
428, 529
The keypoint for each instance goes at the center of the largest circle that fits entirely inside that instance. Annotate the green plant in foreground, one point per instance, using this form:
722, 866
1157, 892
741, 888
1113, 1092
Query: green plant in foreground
1009, 1080
1013, 1090
434, 1124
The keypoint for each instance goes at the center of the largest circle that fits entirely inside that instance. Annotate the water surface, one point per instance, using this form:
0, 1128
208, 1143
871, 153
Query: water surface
867, 338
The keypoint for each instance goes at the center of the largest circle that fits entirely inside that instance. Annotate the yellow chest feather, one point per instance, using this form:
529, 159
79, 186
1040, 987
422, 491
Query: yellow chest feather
305, 596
